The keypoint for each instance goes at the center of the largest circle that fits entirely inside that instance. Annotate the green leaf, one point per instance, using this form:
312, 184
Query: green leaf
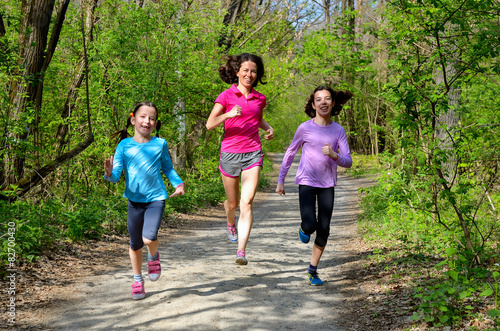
443, 319
443, 308
486, 292
441, 263
450, 251
463, 294
493, 312
453, 274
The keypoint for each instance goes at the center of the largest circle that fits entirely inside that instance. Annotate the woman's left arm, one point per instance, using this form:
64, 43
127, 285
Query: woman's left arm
266, 127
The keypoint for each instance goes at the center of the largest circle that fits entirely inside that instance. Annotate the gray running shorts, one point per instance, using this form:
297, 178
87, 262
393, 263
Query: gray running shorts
232, 164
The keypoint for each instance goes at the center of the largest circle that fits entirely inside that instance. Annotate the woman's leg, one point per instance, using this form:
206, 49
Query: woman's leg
232, 188
249, 183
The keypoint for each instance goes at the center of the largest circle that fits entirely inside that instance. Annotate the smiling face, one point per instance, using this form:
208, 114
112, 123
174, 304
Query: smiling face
323, 103
247, 74
144, 121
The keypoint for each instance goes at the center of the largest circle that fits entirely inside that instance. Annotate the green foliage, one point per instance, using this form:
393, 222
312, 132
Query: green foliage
40, 225
447, 302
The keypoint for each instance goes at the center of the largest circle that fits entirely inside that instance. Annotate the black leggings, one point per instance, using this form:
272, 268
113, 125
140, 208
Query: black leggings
307, 198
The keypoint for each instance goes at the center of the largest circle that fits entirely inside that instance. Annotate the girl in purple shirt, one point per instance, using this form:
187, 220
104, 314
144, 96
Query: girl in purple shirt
240, 109
324, 146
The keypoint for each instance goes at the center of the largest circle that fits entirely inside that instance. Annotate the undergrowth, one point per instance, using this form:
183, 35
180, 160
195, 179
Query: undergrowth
454, 284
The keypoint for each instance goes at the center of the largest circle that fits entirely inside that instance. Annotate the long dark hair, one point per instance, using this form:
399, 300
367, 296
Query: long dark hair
227, 71
122, 134
340, 98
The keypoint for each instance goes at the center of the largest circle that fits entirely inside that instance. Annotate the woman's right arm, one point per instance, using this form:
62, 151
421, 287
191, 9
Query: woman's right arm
216, 118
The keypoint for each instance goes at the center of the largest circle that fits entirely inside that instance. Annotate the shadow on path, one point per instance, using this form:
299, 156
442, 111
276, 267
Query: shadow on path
201, 287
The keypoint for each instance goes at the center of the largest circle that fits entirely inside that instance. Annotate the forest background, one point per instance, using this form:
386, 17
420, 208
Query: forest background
425, 75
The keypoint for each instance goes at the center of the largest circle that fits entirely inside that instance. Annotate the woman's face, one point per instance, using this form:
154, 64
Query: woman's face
323, 103
247, 74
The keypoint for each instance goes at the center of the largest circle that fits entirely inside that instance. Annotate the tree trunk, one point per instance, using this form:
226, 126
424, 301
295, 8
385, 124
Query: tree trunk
230, 18
24, 93
2, 27
348, 5
326, 8
69, 104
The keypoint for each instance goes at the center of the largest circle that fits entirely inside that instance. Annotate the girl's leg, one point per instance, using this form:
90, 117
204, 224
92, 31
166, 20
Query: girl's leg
151, 245
136, 259
307, 202
231, 186
249, 183
135, 222
325, 210
316, 255
152, 222
313, 267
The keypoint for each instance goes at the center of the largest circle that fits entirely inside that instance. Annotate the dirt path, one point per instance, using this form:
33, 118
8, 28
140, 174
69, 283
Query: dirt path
201, 287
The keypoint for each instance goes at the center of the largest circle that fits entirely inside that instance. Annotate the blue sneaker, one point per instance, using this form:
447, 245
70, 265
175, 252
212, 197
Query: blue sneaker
314, 279
303, 237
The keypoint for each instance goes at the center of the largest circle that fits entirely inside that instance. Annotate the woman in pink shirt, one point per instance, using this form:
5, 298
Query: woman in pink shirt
240, 109
324, 146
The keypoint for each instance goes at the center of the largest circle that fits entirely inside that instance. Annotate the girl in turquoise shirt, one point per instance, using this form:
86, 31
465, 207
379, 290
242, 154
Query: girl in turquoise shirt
143, 158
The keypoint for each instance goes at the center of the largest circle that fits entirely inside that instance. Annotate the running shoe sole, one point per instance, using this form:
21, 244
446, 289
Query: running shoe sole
241, 260
303, 237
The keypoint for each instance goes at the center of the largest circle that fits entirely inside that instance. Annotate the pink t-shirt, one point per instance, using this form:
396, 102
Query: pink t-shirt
241, 133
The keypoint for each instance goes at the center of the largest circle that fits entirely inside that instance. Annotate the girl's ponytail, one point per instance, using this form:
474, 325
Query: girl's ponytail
122, 134
158, 127
340, 99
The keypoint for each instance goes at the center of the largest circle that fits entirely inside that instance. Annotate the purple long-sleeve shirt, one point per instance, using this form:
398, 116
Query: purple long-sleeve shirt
316, 169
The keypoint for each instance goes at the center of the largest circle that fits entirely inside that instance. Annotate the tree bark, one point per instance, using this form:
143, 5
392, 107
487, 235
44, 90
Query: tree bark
2, 27
36, 52
326, 8
230, 18
69, 104
25, 184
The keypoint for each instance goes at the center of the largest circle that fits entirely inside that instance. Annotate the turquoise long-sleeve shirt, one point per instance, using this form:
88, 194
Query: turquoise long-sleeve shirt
143, 164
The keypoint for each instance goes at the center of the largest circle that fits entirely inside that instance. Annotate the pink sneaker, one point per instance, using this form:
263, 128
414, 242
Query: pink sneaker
232, 233
154, 269
138, 290
240, 258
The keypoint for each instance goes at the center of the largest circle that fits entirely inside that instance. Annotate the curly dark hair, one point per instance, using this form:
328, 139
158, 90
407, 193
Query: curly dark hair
340, 98
227, 71
122, 134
